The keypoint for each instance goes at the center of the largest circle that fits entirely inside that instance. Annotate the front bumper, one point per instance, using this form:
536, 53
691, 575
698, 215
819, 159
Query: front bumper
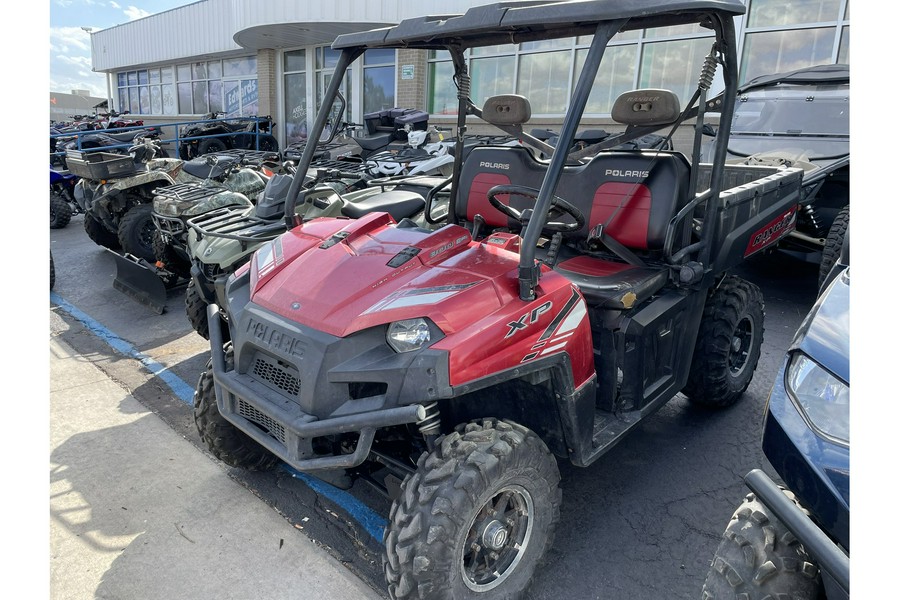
291, 385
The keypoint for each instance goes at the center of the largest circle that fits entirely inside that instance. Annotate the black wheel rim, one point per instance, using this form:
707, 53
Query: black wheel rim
497, 539
741, 345
145, 236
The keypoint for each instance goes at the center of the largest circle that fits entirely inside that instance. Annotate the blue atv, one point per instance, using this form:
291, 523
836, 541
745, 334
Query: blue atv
792, 539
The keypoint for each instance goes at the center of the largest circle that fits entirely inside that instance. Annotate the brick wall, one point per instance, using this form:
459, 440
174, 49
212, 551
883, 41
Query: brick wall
266, 76
411, 92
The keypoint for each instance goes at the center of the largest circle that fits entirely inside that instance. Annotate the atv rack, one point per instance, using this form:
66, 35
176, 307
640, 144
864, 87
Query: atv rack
235, 225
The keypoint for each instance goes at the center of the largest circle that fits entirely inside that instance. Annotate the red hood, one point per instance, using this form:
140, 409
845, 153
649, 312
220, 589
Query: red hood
341, 276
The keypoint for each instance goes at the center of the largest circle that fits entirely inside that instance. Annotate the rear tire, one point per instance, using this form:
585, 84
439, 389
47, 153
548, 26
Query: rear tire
99, 234
60, 211
211, 145
136, 231
758, 559
268, 143
226, 442
728, 344
831, 253
445, 542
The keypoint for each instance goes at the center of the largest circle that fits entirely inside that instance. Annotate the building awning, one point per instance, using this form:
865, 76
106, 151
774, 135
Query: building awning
294, 35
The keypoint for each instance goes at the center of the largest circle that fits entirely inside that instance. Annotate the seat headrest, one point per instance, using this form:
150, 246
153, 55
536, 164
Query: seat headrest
506, 109
646, 107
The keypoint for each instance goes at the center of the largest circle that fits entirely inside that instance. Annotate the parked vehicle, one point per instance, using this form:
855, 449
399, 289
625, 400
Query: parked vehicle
386, 130
116, 193
802, 119
426, 152
242, 133
564, 301
115, 141
791, 539
224, 240
62, 198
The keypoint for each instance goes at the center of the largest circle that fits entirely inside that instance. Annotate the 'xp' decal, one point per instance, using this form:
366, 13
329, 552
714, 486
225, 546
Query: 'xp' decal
531, 317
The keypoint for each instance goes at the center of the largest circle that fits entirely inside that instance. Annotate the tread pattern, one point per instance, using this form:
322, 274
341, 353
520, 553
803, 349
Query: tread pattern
131, 227
225, 441
99, 234
833, 242
428, 522
195, 308
759, 559
60, 211
710, 382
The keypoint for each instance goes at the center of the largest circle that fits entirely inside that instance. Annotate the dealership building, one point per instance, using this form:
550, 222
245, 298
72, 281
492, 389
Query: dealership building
273, 58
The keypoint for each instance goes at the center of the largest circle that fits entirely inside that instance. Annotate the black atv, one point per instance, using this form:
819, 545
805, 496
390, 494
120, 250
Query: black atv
215, 134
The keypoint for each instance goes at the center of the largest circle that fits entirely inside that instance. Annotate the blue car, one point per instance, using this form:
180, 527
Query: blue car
791, 539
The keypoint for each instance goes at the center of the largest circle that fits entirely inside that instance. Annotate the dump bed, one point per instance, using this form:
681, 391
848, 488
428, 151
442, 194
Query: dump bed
756, 210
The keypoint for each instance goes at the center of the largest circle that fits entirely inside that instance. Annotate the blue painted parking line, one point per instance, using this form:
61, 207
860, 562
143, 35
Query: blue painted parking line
181, 389
372, 522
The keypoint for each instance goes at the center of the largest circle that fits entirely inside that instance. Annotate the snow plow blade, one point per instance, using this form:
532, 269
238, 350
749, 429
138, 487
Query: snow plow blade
138, 279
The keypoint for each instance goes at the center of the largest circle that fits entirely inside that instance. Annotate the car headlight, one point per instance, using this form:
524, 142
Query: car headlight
821, 397
409, 335
165, 207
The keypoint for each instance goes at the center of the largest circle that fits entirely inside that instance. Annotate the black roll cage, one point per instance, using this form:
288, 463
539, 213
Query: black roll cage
511, 22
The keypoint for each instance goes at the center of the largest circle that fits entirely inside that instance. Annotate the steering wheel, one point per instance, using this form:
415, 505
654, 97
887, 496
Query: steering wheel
558, 208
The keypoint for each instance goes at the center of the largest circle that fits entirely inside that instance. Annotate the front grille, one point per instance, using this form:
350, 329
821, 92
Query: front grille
270, 425
276, 375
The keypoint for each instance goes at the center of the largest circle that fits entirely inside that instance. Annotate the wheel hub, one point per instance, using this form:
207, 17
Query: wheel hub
495, 535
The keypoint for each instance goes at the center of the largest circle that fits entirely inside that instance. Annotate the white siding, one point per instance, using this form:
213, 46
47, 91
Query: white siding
208, 27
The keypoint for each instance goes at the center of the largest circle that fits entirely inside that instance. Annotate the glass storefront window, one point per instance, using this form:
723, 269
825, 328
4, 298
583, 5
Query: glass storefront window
615, 77
671, 66
441, 91
295, 125
544, 80
185, 105
294, 61
844, 48
777, 13
201, 97
183, 72
215, 96
779, 51
492, 76
156, 100
237, 67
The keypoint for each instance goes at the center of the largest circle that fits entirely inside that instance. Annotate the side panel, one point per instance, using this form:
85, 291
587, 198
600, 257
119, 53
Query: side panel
522, 332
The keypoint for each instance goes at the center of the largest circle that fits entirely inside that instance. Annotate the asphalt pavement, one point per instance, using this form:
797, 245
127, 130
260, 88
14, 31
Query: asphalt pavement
138, 512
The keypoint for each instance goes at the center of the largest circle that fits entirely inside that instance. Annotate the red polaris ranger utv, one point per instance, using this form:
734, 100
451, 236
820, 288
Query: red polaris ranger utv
563, 300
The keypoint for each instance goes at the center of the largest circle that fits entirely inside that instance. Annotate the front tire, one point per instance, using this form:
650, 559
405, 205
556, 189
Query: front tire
476, 518
195, 307
99, 234
226, 442
60, 211
758, 559
728, 344
834, 242
136, 231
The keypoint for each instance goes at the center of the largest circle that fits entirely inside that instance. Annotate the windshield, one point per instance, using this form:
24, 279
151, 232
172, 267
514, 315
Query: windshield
814, 119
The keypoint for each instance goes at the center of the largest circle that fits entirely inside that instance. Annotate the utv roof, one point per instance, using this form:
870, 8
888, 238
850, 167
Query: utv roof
821, 74
506, 22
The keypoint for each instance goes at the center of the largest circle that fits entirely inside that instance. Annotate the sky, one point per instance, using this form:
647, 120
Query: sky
70, 45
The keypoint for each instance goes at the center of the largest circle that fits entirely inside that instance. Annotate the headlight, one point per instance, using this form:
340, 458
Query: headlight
821, 397
165, 207
408, 335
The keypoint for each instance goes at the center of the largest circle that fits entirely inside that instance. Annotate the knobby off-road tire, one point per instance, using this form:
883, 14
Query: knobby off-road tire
210, 145
728, 344
195, 307
225, 441
442, 533
136, 231
52, 272
99, 234
831, 253
759, 559
60, 212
